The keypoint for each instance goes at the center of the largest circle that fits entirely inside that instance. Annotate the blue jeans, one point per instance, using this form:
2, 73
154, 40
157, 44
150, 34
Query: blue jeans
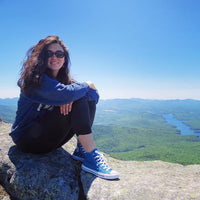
51, 130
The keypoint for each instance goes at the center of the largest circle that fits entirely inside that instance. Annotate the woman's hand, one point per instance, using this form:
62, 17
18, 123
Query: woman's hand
91, 85
66, 108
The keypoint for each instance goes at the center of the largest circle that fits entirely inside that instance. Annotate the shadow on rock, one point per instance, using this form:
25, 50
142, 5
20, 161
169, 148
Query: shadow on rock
35, 177
86, 179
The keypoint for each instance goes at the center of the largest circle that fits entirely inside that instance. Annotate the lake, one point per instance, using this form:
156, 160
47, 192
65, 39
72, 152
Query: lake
183, 128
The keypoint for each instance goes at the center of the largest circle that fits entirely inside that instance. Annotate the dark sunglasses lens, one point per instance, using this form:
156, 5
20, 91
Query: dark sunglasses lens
49, 54
59, 54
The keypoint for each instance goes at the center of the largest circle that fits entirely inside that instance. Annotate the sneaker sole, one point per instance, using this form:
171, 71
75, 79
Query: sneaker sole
100, 174
77, 158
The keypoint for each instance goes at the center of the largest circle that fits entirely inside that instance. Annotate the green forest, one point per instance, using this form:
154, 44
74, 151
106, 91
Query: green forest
135, 129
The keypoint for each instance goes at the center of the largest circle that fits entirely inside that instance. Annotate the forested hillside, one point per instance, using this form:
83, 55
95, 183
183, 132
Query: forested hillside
143, 112
135, 129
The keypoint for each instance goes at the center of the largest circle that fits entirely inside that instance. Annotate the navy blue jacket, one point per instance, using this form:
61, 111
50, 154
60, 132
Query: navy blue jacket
51, 93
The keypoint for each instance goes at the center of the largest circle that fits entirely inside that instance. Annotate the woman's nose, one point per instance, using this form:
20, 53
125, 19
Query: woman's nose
54, 56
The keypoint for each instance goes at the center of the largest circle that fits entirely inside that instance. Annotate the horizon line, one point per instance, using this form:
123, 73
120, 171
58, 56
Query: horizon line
117, 98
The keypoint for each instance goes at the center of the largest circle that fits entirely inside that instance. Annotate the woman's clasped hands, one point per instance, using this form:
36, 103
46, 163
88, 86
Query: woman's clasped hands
66, 108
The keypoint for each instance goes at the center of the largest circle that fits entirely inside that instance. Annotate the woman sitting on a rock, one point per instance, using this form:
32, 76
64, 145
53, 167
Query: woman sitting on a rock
52, 107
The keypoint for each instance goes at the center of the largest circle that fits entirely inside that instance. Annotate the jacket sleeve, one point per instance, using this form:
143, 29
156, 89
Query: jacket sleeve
93, 95
53, 92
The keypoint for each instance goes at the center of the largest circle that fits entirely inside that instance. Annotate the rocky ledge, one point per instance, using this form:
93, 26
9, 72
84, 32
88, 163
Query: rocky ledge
55, 176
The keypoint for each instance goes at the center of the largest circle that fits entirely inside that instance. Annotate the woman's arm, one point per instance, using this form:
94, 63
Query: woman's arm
53, 92
91, 85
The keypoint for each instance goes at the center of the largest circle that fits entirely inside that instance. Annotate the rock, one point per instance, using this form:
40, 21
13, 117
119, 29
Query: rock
147, 180
3, 194
55, 176
37, 177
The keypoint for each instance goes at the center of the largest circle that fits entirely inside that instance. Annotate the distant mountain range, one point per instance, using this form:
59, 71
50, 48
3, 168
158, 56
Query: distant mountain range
8, 109
115, 107
9, 101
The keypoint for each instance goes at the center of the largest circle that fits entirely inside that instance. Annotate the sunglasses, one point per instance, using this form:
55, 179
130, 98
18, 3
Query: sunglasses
58, 54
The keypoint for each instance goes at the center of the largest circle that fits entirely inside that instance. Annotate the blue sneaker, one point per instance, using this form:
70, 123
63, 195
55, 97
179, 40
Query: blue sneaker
94, 163
79, 153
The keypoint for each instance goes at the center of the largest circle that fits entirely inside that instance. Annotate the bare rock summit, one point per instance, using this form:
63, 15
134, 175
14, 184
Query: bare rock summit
56, 176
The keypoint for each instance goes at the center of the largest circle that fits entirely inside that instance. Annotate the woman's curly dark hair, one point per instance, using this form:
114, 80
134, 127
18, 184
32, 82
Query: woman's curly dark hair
35, 65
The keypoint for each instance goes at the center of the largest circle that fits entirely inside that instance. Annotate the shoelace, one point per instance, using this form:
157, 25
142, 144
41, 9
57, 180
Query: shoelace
80, 149
100, 161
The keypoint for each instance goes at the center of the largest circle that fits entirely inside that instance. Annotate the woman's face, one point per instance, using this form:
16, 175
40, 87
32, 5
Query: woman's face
56, 58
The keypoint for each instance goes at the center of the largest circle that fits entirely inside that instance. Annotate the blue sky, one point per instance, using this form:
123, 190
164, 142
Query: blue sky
128, 48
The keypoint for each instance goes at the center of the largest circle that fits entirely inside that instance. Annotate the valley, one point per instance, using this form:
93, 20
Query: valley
135, 129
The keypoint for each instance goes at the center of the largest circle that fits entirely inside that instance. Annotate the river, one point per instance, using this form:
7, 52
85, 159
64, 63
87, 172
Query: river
183, 128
